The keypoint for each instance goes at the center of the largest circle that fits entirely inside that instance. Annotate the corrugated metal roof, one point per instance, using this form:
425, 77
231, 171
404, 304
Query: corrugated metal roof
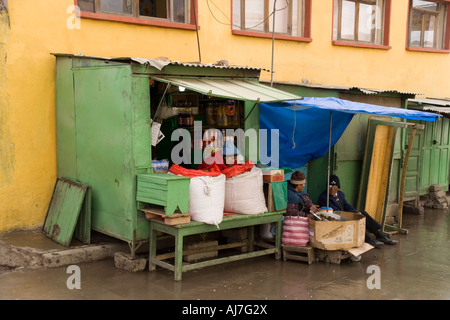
430, 104
431, 101
192, 64
230, 88
345, 88
160, 64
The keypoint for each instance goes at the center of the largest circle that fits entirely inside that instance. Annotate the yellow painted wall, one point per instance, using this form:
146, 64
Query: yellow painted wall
38, 28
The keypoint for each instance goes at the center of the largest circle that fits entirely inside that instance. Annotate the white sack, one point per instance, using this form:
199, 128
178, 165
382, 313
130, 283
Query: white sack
206, 199
244, 193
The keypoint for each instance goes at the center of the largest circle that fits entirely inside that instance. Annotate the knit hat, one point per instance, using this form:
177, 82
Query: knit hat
298, 178
334, 181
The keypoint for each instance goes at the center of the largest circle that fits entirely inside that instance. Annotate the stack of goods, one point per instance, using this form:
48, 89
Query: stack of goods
235, 189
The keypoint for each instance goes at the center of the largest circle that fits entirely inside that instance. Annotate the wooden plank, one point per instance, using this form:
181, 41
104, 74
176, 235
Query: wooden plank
242, 256
377, 167
205, 249
159, 212
64, 210
402, 181
83, 228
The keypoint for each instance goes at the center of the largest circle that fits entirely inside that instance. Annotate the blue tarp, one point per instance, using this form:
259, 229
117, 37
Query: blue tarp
304, 125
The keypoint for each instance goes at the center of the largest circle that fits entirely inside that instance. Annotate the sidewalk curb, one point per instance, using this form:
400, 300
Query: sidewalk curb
15, 257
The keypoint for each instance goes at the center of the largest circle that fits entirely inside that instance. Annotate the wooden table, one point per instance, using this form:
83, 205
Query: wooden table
194, 227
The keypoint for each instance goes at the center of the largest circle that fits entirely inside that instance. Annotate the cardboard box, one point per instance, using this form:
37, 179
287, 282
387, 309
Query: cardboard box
338, 235
273, 175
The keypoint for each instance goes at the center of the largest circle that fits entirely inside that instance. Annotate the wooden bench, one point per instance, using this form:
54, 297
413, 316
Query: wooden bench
229, 222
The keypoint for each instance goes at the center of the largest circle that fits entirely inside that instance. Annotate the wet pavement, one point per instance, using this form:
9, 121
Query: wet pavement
418, 267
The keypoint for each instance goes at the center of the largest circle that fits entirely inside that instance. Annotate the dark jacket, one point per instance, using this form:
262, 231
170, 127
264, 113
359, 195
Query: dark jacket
298, 203
337, 204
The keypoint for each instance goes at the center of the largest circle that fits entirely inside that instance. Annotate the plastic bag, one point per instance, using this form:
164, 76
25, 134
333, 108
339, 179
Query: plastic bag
295, 231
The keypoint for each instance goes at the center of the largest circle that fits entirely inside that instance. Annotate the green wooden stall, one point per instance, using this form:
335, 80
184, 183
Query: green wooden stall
104, 110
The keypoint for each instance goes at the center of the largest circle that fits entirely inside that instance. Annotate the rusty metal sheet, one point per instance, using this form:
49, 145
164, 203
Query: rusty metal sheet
64, 209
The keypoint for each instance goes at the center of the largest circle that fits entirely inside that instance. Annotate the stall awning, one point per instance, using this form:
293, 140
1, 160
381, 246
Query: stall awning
238, 89
304, 125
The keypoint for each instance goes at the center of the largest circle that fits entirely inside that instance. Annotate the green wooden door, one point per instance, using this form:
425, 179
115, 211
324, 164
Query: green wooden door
107, 151
436, 147
348, 156
413, 171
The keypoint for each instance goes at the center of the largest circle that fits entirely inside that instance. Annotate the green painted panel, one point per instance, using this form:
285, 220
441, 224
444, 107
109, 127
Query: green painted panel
104, 117
348, 156
83, 228
65, 120
395, 182
426, 180
141, 122
174, 191
443, 166
64, 210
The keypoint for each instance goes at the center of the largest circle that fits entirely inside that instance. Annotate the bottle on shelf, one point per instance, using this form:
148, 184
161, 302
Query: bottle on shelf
191, 118
220, 115
231, 112
223, 105
210, 114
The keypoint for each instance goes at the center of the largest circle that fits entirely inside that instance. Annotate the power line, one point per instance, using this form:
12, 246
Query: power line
238, 26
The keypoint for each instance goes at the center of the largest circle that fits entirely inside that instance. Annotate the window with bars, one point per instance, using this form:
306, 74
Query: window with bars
362, 22
255, 17
428, 26
172, 11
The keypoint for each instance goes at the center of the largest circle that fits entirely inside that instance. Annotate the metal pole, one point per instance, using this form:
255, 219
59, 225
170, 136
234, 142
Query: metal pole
273, 42
329, 157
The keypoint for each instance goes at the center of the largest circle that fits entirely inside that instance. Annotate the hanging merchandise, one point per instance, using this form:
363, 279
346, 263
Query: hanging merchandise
207, 198
244, 193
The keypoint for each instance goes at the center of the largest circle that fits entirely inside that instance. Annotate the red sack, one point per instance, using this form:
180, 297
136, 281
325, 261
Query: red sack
295, 231
236, 169
176, 169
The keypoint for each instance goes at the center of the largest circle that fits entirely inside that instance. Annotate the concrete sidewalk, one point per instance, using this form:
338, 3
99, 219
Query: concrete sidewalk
32, 249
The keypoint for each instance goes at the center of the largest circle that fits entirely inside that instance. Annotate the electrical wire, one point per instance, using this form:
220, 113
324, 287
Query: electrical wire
238, 26
196, 31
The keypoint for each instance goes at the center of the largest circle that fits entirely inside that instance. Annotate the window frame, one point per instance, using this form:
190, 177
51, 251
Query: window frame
446, 36
143, 20
306, 27
386, 24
